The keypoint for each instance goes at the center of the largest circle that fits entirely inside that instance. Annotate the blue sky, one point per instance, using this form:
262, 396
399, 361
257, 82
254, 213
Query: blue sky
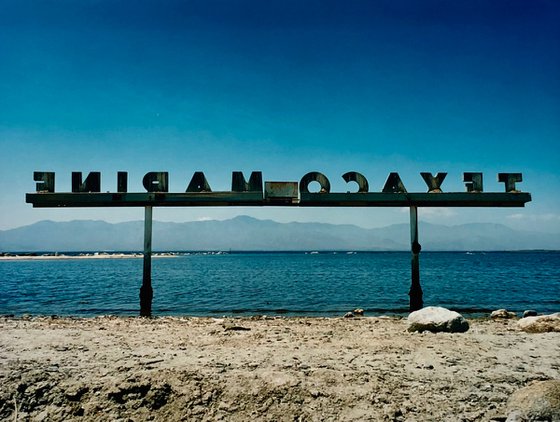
284, 87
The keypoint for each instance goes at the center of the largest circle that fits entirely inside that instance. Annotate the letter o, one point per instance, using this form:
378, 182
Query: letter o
314, 176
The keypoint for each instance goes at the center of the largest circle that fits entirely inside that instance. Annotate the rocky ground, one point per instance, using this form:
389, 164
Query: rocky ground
277, 369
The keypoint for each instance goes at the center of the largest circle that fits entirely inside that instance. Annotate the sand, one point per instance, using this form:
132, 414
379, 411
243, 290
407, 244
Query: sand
286, 369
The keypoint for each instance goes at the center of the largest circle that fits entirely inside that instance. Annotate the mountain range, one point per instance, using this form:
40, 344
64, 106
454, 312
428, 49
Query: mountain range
249, 234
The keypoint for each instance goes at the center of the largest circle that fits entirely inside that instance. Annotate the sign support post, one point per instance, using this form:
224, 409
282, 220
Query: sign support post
415, 292
146, 292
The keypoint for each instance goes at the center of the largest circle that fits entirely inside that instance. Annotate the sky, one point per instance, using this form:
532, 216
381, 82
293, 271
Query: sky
283, 87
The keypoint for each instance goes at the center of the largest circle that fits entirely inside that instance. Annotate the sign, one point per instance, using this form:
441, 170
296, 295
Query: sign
87, 192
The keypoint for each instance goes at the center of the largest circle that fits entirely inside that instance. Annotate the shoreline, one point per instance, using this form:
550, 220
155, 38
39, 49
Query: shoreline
93, 255
265, 368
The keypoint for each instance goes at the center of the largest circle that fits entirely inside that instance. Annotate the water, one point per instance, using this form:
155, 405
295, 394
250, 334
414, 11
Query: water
324, 284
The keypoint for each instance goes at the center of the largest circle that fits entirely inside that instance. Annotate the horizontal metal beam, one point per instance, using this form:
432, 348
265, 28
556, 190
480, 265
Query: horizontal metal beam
220, 199
380, 199
154, 199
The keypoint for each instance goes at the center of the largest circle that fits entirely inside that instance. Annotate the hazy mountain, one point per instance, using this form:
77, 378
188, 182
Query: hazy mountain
246, 233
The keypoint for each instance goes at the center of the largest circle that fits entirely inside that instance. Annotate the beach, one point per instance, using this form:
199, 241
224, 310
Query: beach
264, 368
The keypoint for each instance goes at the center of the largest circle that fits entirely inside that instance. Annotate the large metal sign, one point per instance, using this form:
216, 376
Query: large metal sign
87, 193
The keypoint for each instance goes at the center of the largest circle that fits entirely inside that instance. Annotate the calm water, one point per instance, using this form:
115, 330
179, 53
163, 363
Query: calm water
284, 284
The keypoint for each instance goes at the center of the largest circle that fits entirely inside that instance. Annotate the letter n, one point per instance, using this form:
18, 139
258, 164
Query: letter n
91, 184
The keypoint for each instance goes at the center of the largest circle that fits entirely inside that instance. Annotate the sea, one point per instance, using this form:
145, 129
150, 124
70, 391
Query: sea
307, 283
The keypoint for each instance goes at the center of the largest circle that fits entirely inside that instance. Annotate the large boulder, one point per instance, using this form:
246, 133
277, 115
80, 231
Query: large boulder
541, 323
539, 401
436, 319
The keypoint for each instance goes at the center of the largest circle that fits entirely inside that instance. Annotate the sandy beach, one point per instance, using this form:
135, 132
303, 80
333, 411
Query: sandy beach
303, 369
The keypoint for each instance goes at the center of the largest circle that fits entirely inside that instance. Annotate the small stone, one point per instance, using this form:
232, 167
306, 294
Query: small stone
540, 324
539, 401
502, 314
359, 312
529, 313
75, 393
233, 327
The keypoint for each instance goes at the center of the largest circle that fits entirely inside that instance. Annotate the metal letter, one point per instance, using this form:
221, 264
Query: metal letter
281, 192
433, 183
91, 184
45, 179
314, 176
239, 184
473, 182
122, 181
509, 179
198, 183
156, 181
354, 176
394, 184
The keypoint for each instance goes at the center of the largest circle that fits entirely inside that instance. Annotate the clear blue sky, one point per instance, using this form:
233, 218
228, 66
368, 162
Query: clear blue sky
285, 87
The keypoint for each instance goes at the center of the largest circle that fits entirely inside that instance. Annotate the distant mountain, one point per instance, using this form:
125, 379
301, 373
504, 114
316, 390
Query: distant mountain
247, 233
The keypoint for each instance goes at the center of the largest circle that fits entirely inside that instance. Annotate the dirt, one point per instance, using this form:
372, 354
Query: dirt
269, 369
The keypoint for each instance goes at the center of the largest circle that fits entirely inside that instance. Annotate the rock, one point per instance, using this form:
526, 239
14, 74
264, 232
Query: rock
502, 314
75, 392
434, 319
359, 312
540, 324
539, 401
158, 396
233, 327
529, 313
348, 315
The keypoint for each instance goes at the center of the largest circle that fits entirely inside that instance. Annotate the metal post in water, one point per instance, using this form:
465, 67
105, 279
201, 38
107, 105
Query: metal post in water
146, 292
415, 292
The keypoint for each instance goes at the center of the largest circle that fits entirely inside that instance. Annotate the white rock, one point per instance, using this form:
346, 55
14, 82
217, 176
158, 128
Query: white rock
502, 314
435, 319
541, 323
358, 312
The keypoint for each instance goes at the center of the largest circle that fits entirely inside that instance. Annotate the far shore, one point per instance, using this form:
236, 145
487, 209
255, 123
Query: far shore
92, 255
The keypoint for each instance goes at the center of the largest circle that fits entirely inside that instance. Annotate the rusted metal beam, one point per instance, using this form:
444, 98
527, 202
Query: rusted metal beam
447, 199
210, 199
159, 199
